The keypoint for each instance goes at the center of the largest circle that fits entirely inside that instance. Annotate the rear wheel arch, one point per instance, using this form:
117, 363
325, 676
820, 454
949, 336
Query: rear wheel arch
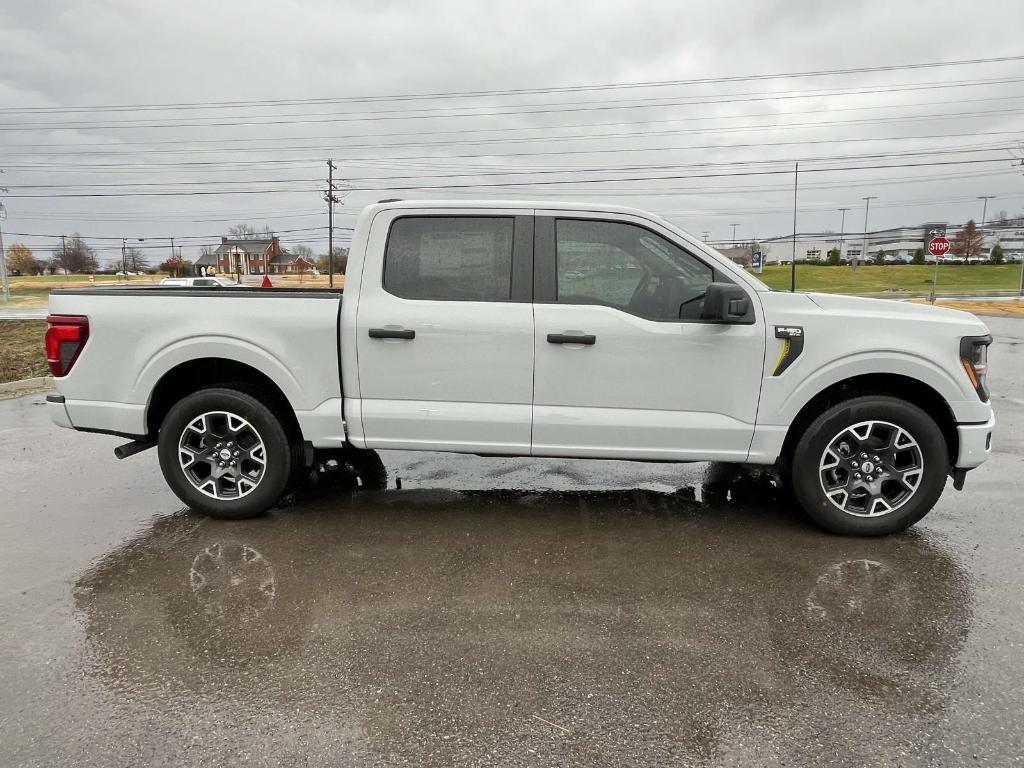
204, 373
881, 384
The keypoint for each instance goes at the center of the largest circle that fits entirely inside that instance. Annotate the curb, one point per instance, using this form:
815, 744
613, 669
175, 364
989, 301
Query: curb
26, 385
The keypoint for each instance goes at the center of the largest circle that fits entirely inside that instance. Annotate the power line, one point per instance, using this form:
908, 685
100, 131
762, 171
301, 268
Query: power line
520, 91
593, 169
508, 129
386, 114
487, 185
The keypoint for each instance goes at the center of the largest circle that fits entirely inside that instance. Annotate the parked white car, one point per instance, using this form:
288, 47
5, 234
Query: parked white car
462, 330
199, 282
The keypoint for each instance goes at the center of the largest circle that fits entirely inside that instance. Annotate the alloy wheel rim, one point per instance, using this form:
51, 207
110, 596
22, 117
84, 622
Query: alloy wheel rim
222, 455
871, 468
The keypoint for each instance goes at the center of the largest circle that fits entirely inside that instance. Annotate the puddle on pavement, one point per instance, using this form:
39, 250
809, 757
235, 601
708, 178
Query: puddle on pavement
621, 626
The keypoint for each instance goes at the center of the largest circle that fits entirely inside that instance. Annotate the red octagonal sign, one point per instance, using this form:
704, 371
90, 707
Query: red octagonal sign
939, 246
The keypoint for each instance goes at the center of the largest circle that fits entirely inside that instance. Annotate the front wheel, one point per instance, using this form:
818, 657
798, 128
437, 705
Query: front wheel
225, 453
870, 466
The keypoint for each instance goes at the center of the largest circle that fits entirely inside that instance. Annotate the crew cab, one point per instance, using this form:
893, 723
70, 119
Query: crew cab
531, 329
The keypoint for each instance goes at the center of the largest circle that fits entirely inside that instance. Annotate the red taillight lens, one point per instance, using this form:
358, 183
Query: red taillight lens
65, 338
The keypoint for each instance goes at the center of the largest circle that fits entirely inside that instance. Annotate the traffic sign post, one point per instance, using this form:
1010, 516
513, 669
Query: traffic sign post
937, 247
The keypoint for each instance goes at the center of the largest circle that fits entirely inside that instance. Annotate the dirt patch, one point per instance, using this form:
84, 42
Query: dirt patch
1001, 307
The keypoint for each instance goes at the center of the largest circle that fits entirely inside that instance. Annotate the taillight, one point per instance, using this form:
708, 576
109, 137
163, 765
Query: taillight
65, 337
974, 358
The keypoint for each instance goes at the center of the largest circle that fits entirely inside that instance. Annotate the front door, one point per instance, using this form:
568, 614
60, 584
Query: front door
445, 332
624, 366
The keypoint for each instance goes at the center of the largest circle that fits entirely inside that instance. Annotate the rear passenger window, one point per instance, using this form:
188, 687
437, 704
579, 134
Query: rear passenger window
450, 258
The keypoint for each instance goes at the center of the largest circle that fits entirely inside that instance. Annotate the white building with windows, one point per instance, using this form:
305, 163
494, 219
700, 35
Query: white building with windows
897, 244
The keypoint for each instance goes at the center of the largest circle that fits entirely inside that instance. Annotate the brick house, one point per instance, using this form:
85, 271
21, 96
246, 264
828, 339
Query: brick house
246, 255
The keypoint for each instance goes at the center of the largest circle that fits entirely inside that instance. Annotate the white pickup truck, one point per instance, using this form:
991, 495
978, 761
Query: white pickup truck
531, 329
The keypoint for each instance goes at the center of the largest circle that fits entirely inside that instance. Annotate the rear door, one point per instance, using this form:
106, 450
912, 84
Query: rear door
445, 331
625, 368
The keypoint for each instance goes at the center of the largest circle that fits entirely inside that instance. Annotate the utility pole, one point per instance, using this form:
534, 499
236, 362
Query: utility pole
330, 198
172, 248
842, 233
3, 255
792, 266
124, 257
864, 244
734, 233
705, 236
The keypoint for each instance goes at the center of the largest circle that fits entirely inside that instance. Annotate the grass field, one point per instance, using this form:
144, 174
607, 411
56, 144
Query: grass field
913, 278
21, 350
33, 291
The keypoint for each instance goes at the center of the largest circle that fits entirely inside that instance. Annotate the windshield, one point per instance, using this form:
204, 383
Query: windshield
226, 281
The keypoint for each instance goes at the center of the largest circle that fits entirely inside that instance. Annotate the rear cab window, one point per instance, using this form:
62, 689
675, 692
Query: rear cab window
450, 258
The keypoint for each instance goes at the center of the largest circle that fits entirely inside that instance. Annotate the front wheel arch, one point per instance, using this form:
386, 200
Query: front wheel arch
880, 385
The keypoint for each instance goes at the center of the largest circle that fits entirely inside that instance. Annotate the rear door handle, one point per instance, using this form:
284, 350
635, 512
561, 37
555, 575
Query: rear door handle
392, 333
572, 338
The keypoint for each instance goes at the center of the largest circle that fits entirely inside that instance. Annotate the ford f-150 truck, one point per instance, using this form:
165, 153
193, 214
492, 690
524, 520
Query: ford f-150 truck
531, 329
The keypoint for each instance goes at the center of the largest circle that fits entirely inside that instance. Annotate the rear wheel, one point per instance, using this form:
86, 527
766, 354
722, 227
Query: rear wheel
225, 453
870, 466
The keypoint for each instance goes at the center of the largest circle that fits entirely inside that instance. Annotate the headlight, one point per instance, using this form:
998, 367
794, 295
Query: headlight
974, 358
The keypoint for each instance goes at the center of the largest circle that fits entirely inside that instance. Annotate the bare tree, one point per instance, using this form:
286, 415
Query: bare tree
75, 256
243, 231
340, 261
135, 260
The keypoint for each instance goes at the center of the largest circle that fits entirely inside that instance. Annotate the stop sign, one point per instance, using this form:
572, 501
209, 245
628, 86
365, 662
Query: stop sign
938, 246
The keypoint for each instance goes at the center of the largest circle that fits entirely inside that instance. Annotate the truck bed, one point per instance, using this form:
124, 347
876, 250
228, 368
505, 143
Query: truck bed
289, 335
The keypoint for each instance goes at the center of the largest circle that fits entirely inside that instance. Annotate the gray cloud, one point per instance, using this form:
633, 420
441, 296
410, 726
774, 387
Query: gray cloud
114, 52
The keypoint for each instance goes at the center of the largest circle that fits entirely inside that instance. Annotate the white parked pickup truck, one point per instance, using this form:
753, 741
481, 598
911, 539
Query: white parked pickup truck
531, 329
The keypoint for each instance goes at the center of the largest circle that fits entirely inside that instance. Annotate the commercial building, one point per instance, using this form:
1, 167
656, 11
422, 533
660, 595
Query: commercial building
897, 244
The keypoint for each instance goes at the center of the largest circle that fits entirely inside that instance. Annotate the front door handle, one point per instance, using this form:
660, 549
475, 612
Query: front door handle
392, 333
572, 338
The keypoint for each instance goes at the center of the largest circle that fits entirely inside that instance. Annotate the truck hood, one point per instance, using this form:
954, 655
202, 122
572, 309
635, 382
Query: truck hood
857, 306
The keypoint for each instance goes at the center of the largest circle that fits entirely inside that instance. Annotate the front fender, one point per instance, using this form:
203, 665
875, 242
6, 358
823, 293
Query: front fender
784, 396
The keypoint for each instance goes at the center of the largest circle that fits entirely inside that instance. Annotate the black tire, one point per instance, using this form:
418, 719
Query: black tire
805, 473
278, 452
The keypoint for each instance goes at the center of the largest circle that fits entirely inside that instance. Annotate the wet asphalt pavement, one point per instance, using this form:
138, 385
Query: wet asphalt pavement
503, 612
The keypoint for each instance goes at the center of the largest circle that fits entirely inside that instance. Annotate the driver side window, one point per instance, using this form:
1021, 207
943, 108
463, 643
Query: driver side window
628, 267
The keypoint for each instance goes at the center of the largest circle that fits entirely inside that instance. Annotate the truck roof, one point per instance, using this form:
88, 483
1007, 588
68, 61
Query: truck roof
560, 205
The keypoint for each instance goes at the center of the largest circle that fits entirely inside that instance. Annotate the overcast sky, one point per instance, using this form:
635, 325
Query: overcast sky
88, 143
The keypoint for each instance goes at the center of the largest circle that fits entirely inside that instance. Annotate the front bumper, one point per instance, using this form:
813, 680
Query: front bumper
975, 443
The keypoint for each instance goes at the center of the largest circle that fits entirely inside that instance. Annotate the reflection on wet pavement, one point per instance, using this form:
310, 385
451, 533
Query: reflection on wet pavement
620, 627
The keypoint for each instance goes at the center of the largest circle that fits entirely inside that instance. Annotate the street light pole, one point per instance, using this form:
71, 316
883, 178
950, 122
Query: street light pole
864, 245
984, 208
792, 266
842, 232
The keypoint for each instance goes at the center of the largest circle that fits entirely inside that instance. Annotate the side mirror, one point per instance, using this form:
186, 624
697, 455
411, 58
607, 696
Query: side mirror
727, 303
